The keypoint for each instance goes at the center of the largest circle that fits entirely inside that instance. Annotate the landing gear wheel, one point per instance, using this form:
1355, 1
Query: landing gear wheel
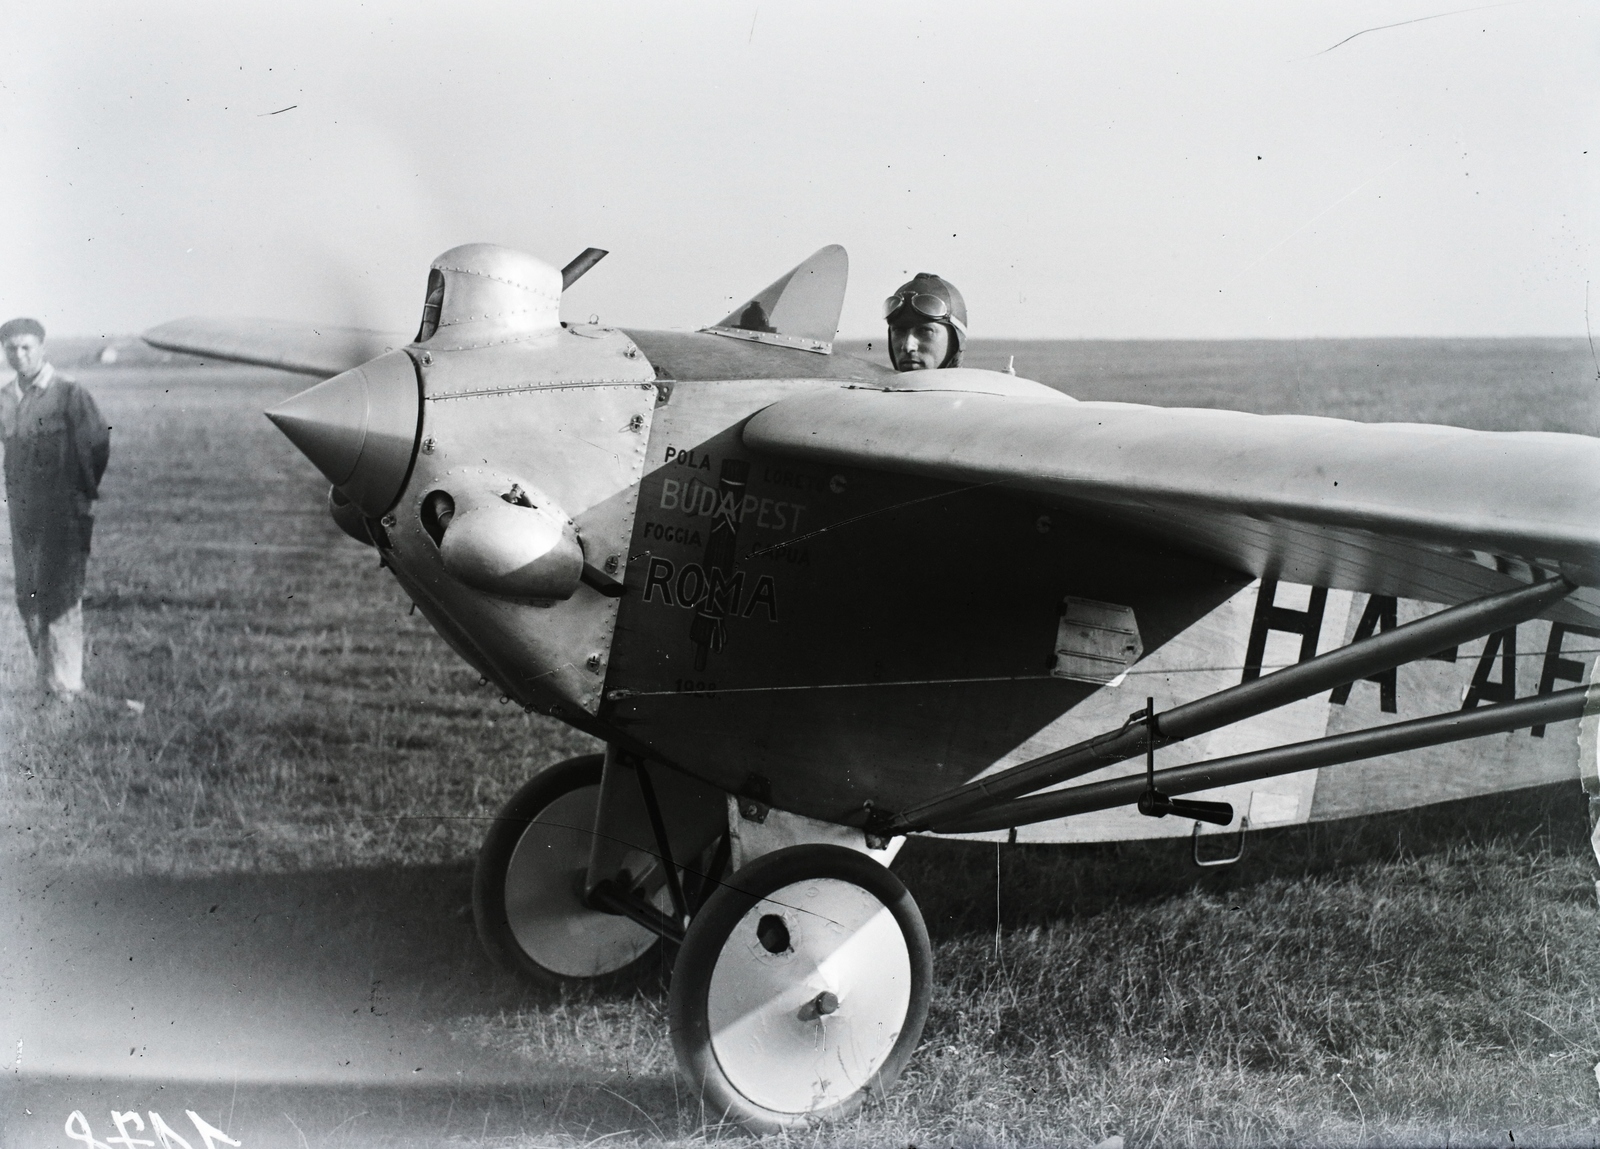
526, 888
801, 988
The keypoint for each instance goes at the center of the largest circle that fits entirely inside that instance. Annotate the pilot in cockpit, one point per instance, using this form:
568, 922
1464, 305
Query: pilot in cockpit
927, 324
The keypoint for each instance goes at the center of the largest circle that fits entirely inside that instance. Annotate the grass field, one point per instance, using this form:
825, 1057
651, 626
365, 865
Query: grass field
1423, 978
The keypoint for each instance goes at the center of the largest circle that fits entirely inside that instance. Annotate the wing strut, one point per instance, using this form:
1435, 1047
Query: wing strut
1456, 726
984, 798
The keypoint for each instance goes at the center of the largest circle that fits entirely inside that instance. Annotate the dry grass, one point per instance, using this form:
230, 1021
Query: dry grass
297, 716
1407, 1001
1424, 978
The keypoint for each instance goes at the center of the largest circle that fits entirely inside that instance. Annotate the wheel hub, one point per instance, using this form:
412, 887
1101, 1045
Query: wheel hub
777, 1023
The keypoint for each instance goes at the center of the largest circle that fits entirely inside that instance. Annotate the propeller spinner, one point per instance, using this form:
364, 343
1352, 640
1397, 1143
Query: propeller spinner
360, 428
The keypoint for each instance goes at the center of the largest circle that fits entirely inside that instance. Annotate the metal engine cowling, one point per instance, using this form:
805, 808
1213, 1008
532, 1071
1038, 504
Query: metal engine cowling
506, 539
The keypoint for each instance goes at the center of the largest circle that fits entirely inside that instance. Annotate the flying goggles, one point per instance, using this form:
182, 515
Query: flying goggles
927, 306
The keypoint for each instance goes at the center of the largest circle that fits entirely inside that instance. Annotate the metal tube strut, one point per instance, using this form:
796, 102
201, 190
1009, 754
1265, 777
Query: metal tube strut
712, 878
607, 896
1414, 640
657, 826
1340, 748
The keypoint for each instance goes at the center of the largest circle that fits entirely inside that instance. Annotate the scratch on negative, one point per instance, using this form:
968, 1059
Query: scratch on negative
547, 673
1416, 20
625, 693
1589, 332
279, 112
867, 515
589, 442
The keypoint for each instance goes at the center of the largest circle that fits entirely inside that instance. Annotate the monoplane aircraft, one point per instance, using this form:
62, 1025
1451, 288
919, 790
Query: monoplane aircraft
812, 606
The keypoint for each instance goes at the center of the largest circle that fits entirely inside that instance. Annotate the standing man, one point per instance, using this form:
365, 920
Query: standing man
927, 324
56, 447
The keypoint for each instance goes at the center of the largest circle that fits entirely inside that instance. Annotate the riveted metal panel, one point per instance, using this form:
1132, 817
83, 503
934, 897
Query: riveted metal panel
576, 356
1095, 641
569, 416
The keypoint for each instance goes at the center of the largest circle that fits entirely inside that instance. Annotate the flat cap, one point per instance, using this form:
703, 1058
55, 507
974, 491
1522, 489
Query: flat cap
22, 326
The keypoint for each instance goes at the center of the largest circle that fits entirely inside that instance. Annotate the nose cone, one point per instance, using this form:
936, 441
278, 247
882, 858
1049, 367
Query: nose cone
360, 428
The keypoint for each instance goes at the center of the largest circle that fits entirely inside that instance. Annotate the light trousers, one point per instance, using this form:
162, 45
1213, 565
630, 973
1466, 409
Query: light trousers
58, 649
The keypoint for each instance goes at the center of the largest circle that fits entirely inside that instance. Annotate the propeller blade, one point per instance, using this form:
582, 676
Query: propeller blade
576, 270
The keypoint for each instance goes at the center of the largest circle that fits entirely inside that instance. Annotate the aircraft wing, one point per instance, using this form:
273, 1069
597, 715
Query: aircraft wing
319, 351
1438, 514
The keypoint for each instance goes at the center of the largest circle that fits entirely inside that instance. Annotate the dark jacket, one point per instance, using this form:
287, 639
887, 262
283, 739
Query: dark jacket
56, 446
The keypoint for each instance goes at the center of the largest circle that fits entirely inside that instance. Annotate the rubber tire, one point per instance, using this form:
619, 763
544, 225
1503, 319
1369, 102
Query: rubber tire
489, 911
688, 1004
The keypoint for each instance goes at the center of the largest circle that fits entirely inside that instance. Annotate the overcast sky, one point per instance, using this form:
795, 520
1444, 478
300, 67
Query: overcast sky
1104, 170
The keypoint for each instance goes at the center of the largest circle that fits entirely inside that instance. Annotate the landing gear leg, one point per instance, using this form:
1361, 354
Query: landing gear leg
801, 988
